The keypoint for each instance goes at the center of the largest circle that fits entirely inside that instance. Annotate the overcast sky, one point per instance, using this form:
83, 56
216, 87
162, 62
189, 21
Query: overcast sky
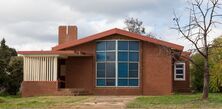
33, 24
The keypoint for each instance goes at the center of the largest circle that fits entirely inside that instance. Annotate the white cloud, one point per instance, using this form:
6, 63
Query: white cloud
32, 24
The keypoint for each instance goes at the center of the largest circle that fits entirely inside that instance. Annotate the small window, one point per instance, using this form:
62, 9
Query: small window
179, 71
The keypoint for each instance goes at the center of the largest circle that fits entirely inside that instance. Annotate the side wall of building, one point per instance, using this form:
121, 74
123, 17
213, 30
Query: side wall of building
183, 85
157, 71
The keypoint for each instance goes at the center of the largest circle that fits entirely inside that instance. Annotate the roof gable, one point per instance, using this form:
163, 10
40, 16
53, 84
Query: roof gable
116, 31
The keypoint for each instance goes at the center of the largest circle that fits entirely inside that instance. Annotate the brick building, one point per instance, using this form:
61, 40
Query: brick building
113, 62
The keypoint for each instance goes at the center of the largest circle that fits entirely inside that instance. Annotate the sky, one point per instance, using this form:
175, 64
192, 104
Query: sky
33, 24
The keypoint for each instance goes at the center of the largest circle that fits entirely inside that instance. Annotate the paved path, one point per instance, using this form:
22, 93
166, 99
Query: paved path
105, 102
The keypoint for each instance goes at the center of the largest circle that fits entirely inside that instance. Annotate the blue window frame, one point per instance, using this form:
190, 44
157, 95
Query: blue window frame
123, 71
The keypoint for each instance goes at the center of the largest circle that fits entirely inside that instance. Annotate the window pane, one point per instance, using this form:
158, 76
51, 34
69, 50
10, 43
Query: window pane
101, 74
133, 66
100, 66
110, 45
100, 82
179, 76
122, 82
100, 46
110, 70
133, 56
179, 71
134, 45
123, 56
110, 82
179, 65
123, 70
122, 45
110, 56
100, 56
133, 73
133, 82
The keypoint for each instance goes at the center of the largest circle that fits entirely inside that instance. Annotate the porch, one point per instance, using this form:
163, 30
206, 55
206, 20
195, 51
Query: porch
57, 73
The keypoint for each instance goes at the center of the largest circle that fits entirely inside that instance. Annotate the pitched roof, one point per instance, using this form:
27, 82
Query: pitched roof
116, 31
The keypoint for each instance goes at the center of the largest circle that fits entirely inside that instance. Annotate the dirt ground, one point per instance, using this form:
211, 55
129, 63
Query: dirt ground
105, 102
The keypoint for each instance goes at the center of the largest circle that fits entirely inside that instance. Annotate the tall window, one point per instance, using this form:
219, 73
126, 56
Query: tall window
179, 71
117, 63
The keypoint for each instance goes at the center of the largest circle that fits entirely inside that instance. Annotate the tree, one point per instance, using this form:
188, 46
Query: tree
15, 69
5, 52
10, 69
196, 72
3, 76
135, 26
215, 59
202, 17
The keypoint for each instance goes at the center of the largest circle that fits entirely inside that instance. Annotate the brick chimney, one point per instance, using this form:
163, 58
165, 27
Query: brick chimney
67, 33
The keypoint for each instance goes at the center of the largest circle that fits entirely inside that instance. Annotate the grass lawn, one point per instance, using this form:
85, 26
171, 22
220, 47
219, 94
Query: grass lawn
177, 101
15, 102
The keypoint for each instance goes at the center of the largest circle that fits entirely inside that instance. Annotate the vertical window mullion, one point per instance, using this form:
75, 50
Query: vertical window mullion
128, 61
116, 63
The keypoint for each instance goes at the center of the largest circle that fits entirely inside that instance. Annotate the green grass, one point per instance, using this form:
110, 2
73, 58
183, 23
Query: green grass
1, 101
177, 101
12, 102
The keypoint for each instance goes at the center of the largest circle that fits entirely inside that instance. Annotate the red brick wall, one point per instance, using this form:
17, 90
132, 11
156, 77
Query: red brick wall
118, 91
36, 88
79, 73
184, 85
157, 71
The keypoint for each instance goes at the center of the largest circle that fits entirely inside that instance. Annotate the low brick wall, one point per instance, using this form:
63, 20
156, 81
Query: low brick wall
36, 88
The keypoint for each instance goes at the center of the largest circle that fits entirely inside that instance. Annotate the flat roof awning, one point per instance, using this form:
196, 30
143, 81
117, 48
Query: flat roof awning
58, 53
